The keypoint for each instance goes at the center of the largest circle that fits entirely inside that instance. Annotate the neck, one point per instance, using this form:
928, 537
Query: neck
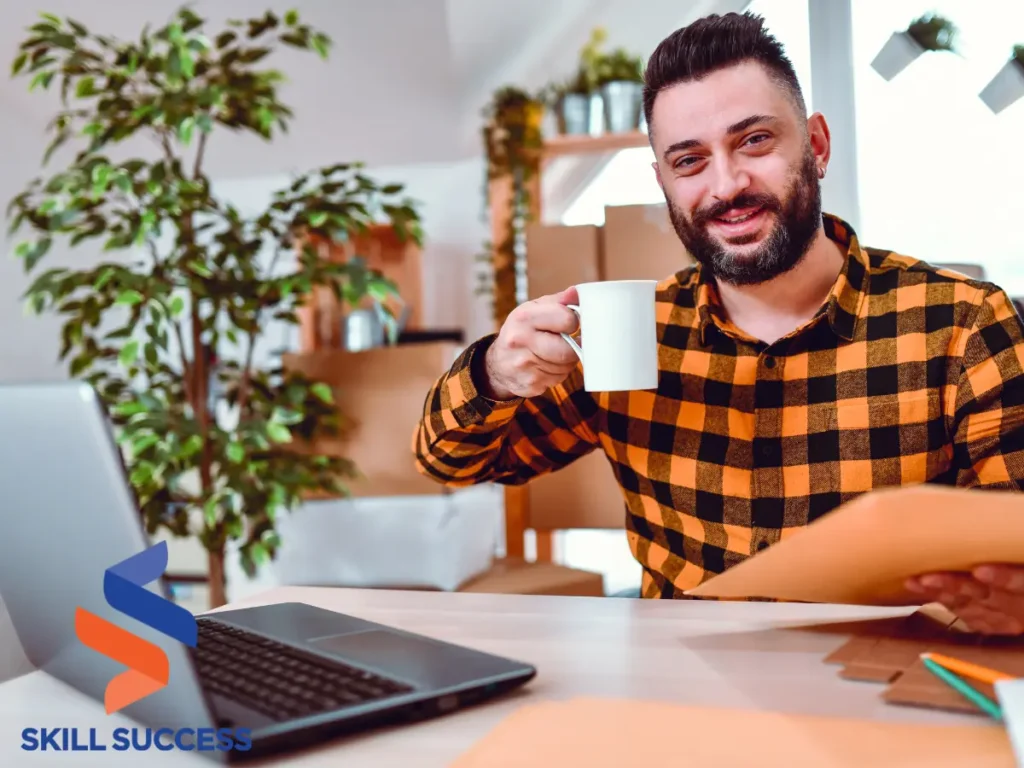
771, 310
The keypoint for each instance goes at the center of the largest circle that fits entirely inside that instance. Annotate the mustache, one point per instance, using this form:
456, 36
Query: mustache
746, 200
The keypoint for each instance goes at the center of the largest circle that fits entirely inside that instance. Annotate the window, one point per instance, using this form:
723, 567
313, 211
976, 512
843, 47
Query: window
628, 178
939, 174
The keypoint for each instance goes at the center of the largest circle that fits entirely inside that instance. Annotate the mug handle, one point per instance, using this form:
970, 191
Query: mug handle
572, 342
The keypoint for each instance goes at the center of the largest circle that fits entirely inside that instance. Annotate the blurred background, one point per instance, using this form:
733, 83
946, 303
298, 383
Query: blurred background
513, 128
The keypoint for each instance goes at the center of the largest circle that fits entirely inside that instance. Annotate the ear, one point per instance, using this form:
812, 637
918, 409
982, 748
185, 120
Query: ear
657, 174
821, 139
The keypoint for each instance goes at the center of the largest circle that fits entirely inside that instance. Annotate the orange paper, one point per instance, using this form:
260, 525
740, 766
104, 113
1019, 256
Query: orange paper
863, 552
616, 733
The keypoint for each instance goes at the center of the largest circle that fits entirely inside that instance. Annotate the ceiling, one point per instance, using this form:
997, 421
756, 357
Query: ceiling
406, 79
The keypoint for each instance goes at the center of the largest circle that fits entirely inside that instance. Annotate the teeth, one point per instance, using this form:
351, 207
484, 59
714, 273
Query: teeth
738, 219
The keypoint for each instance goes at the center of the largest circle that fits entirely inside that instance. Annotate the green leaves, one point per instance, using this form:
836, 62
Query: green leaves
185, 256
86, 87
323, 391
321, 44
128, 298
279, 433
31, 253
129, 353
185, 130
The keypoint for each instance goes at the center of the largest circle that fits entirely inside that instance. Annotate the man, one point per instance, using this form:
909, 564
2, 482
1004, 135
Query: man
799, 369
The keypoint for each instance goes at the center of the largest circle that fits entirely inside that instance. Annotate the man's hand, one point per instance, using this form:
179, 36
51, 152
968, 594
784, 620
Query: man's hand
529, 355
989, 600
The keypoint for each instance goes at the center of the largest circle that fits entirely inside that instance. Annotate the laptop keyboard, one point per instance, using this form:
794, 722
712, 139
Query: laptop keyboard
278, 680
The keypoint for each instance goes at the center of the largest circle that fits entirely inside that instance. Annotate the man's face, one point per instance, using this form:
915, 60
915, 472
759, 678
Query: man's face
739, 173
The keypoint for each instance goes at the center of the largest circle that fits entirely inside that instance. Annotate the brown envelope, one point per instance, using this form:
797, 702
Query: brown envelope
616, 733
862, 552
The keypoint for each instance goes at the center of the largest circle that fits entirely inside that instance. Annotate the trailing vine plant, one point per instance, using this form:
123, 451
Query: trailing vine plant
512, 138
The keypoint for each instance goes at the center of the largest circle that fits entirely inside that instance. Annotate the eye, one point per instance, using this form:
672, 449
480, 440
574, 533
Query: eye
757, 138
687, 162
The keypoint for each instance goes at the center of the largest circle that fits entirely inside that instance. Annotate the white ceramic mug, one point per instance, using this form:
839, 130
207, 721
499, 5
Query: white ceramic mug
619, 335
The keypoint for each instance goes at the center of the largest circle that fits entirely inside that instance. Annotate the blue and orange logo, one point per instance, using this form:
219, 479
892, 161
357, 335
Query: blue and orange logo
124, 590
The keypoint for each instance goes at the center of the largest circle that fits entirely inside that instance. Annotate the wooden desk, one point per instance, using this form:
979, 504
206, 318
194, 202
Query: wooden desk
717, 654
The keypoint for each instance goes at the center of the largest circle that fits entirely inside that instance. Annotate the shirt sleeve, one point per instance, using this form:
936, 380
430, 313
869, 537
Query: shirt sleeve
988, 445
465, 438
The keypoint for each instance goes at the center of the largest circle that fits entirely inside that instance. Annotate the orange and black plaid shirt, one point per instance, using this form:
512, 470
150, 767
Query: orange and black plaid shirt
907, 374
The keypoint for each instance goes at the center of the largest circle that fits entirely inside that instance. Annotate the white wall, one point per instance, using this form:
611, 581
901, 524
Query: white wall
940, 175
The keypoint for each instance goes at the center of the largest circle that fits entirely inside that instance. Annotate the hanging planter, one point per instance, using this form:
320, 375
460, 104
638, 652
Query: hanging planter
1008, 84
928, 33
513, 139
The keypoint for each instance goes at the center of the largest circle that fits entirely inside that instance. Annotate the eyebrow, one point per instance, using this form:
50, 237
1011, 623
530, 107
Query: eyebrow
739, 127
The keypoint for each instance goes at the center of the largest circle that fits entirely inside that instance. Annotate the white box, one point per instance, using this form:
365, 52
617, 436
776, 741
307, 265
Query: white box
421, 542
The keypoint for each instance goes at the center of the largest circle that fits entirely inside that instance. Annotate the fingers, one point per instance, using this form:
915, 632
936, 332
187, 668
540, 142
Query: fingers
569, 296
550, 316
1006, 577
987, 621
983, 607
554, 350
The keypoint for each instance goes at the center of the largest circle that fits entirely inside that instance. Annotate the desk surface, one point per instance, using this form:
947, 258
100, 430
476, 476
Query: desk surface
756, 655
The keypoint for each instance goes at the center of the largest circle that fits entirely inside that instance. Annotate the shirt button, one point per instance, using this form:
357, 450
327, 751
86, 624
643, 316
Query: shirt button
769, 362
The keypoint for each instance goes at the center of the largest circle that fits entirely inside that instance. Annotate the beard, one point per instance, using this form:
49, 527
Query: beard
797, 220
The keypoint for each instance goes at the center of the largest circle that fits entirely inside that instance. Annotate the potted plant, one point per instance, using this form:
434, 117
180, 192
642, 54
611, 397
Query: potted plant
930, 32
572, 102
620, 79
1008, 84
166, 328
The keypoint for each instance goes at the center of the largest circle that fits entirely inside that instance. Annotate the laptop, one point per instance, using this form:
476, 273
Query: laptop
290, 674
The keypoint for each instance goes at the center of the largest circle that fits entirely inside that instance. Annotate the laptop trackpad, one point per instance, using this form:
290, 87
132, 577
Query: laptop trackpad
415, 660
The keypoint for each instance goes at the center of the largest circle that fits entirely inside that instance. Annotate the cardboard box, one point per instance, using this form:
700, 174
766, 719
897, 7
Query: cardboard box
639, 243
380, 394
561, 256
636, 242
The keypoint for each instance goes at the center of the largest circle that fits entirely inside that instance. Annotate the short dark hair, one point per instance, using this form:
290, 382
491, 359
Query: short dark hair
713, 43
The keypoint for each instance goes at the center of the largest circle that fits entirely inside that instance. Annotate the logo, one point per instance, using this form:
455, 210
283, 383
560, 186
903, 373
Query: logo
124, 590
148, 668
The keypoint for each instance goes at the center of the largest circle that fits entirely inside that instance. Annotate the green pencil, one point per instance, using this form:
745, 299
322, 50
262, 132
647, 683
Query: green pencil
981, 700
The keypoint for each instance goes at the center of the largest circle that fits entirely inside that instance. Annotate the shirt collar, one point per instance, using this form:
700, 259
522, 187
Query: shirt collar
844, 302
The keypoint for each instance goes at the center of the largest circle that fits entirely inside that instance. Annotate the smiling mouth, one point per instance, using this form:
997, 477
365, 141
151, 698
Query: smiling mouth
738, 217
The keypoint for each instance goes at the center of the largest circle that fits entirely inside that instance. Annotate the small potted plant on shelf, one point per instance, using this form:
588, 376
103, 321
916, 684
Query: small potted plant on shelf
930, 32
1008, 84
620, 78
572, 102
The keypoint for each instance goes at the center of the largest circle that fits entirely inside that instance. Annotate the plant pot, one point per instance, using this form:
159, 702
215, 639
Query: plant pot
1005, 88
896, 55
574, 114
623, 106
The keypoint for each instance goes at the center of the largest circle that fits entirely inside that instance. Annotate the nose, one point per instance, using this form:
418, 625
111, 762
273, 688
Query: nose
728, 180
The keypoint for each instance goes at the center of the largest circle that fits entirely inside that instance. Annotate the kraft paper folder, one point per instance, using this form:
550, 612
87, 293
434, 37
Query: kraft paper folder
616, 733
863, 551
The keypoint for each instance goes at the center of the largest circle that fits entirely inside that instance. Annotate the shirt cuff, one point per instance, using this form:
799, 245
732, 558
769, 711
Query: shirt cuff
469, 406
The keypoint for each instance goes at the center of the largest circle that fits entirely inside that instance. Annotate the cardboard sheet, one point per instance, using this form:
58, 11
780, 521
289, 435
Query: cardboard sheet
863, 552
896, 663
616, 733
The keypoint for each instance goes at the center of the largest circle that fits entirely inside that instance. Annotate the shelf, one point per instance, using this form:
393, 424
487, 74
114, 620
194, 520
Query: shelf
560, 146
